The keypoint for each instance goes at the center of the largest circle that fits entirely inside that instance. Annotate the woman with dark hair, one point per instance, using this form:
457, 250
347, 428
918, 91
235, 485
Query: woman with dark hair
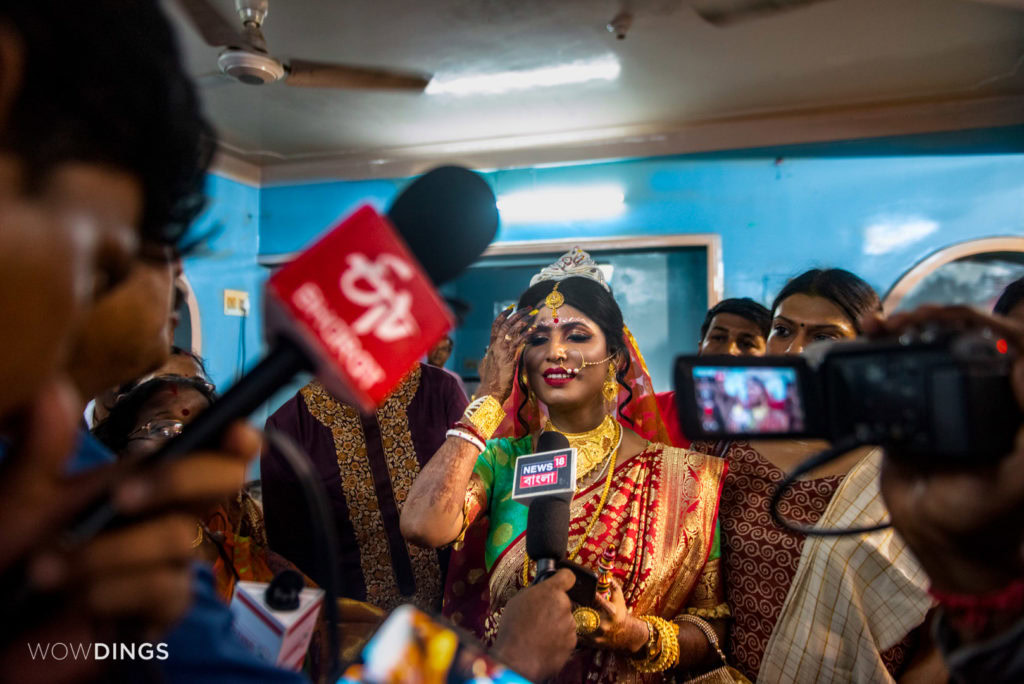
231, 536
566, 362
818, 609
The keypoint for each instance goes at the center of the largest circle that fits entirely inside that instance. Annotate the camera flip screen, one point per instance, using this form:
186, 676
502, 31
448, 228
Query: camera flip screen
751, 400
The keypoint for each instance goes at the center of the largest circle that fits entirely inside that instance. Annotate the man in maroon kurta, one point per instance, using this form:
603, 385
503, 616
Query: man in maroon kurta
366, 464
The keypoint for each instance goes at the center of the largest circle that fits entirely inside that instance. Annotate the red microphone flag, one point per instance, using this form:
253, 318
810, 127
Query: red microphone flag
360, 304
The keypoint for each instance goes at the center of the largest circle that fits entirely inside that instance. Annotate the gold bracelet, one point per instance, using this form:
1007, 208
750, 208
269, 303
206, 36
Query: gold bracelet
485, 414
199, 536
704, 627
664, 654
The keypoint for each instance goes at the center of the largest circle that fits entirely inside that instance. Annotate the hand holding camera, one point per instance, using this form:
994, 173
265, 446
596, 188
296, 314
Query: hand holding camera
965, 524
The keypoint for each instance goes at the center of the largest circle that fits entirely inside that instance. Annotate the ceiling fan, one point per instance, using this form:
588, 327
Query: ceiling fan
245, 57
726, 12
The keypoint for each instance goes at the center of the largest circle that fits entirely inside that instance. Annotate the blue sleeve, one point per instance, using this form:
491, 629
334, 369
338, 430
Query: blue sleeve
89, 453
203, 647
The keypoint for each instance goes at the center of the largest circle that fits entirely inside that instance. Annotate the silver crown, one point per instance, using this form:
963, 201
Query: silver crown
573, 264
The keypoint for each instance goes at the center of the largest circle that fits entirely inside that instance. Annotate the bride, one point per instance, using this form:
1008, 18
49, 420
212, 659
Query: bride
565, 361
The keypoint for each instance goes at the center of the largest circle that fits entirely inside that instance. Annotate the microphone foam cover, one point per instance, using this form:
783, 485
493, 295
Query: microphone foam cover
547, 528
551, 440
447, 217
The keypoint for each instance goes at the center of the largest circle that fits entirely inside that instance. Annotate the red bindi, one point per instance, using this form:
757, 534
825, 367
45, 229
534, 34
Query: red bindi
185, 412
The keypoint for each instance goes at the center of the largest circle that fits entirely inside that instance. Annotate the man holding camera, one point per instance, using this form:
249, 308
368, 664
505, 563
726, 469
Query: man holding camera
965, 527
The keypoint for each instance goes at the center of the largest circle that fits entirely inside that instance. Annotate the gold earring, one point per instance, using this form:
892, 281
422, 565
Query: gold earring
611, 386
530, 396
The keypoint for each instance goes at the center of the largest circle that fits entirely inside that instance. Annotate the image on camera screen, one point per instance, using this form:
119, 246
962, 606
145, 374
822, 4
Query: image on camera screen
748, 400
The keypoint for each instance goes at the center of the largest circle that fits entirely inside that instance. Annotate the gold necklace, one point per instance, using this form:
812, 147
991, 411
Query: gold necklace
597, 512
593, 446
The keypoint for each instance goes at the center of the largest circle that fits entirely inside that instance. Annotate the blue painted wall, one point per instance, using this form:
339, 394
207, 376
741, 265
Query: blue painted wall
228, 261
779, 210
292, 215
857, 205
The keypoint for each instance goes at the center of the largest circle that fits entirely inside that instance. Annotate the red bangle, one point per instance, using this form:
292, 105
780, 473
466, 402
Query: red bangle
463, 425
974, 611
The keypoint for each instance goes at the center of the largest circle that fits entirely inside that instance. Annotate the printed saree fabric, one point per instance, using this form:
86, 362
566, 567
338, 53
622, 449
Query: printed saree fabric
659, 516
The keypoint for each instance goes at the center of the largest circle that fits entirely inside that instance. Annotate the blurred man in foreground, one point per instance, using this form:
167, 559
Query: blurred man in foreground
102, 166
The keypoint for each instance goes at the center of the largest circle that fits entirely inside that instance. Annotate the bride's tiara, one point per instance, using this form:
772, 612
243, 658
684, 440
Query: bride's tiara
573, 264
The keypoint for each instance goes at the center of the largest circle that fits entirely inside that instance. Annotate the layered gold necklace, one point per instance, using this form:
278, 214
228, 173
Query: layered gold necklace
592, 447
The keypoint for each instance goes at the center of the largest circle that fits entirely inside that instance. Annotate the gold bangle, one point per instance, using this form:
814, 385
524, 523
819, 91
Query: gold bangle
665, 652
485, 414
199, 536
704, 627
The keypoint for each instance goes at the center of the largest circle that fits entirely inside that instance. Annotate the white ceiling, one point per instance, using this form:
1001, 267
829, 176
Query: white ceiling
896, 63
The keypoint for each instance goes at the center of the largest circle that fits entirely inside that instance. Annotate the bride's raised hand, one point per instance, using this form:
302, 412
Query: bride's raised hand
497, 370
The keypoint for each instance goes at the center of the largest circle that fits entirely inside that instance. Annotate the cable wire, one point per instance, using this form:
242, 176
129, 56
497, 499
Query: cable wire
839, 448
323, 528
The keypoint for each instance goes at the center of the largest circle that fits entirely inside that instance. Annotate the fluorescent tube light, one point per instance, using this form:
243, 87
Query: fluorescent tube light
562, 204
602, 69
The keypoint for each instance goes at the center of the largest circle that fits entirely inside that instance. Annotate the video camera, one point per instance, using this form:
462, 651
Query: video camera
936, 397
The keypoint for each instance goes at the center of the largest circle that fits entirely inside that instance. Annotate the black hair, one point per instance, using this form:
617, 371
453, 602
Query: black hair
176, 350
123, 419
1011, 297
850, 293
127, 387
600, 306
104, 84
744, 307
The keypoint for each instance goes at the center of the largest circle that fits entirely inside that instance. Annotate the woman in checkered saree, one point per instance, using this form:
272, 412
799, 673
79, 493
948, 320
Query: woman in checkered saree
818, 609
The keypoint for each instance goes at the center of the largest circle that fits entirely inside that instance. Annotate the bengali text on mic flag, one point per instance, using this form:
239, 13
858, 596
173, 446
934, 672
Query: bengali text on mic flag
361, 305
549, 473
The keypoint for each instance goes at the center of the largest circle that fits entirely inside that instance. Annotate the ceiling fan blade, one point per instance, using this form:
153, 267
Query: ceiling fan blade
726, 12
306, 74
213, 79
214, 29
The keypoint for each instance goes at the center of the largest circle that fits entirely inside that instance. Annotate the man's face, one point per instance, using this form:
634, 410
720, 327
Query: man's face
60, 248
733, 335
127, 331
438, 356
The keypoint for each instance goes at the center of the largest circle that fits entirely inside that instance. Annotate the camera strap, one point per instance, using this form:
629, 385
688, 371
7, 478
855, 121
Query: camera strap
840, 448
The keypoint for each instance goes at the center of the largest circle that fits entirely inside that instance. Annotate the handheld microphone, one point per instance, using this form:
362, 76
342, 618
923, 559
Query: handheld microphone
356, 308
547, 534
547, 522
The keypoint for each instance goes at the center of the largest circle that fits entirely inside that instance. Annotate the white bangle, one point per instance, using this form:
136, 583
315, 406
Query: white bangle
462, 434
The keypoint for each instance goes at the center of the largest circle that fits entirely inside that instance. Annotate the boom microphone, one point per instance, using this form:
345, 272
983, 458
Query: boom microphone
356, 308
547, 522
